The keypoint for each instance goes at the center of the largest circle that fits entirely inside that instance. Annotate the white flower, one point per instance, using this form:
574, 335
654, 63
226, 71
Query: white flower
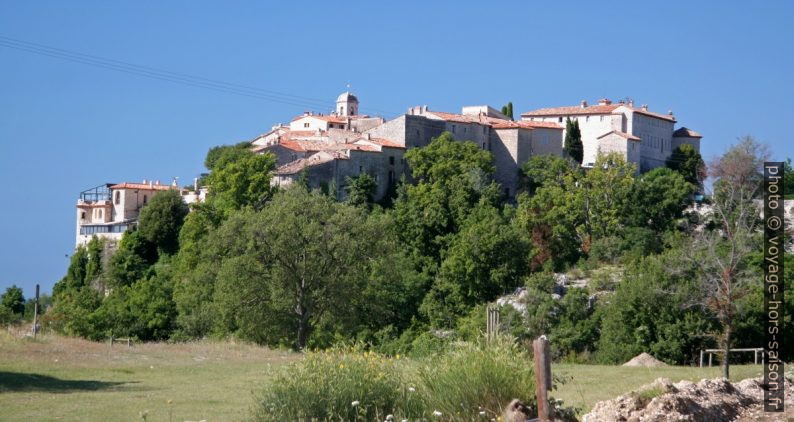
389, 417
355, 403
411, 389
404, 420
437, 414
482, 413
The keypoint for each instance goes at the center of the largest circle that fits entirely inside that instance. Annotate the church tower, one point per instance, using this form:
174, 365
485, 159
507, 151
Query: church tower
347, 104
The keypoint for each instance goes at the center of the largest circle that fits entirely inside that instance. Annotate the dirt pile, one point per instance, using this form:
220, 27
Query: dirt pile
644, 359
707, 400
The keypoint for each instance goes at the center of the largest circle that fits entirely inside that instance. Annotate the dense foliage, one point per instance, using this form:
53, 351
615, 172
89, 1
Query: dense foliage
297, 268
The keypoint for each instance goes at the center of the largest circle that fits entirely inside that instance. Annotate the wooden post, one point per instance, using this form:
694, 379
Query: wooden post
492, 323
701, 358
755, 357
710, 355
36, 313
540, 348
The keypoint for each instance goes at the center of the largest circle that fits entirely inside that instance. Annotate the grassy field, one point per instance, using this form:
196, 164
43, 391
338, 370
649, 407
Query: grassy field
586, 385
67, 379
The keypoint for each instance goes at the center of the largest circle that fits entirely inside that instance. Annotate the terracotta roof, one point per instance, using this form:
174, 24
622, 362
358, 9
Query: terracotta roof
314, 160
142, 186
327, 118
303, 146
382, 142
622, 135
591, 109
684, 132
525, 124
572, 110
494, 122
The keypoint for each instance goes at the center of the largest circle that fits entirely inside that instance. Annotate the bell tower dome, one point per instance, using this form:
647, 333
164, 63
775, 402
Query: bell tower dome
347, 104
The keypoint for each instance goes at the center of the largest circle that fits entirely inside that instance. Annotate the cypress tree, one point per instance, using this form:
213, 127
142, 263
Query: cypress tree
573, 140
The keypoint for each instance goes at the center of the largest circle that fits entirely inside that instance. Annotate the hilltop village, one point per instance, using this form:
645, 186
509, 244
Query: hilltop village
327, 149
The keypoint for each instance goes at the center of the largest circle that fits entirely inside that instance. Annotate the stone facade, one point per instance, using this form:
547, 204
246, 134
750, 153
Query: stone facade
654, 131
109, 210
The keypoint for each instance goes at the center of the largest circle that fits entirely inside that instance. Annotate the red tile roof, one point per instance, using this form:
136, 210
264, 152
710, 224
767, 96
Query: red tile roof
314, 160
622, 135
589, 110
572, 110
493, 121
684, 132
382, 142
142, 186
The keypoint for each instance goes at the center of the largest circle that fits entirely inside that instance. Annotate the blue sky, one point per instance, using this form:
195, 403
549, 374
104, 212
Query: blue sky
725, 71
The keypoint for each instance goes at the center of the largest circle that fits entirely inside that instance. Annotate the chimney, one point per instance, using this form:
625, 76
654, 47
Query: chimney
150, 183
669, 112
157, 182
631, 103
583, 104
604, 101
144, 181
306, 113
424, 108
645, 107
173, 182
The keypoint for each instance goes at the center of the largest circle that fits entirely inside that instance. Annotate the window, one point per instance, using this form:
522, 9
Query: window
483, 145
144, 199
82, 215
586, 118
99, 213
391, 160
306, 124
453, 128
391, 176
360, 169
559, 119
601, 119
118, 197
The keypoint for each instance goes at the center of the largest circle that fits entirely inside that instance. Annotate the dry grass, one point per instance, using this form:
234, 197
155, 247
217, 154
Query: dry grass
58, 378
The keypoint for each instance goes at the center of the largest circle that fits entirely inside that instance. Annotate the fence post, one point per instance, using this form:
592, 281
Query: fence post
492, 323
701, 358
540, 349
710, 355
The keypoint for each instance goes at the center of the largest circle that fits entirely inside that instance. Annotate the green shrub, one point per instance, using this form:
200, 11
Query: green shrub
348, 384
340, 384
474, 377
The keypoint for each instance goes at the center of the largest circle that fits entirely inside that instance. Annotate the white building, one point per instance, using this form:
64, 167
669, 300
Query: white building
644, 137
109, 210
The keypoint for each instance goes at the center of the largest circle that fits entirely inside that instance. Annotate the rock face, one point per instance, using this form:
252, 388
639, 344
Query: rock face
707, 400
644, 359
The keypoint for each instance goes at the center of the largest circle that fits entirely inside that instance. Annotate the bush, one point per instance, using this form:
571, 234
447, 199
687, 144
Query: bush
340, 384
473, 377
348, 384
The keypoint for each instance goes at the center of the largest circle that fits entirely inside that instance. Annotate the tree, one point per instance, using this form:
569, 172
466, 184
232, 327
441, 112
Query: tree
788, 179
721, 253
452, 178
486, 258
687, 161
507, 110
573, 140
299, 263
659, 197
360, 190
240, 179
14, 302
161, 220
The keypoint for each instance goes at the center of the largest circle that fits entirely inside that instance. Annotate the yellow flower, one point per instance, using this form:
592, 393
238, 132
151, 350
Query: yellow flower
398, 356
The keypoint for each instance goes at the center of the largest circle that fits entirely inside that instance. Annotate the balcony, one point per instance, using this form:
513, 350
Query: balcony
98, 193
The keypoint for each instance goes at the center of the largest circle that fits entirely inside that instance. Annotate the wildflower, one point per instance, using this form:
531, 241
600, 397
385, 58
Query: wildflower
398, 356
437, 414
482, 413
355, 403
389, 418
411, 389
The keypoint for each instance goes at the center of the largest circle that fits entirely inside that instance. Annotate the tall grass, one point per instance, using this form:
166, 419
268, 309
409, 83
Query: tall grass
466, 382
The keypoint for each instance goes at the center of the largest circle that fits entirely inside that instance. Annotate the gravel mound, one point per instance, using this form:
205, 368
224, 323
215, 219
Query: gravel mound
708, 400
644, 359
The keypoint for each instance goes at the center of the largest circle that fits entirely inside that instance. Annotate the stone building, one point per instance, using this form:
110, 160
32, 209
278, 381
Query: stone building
642, 136
109, 210
328, 149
